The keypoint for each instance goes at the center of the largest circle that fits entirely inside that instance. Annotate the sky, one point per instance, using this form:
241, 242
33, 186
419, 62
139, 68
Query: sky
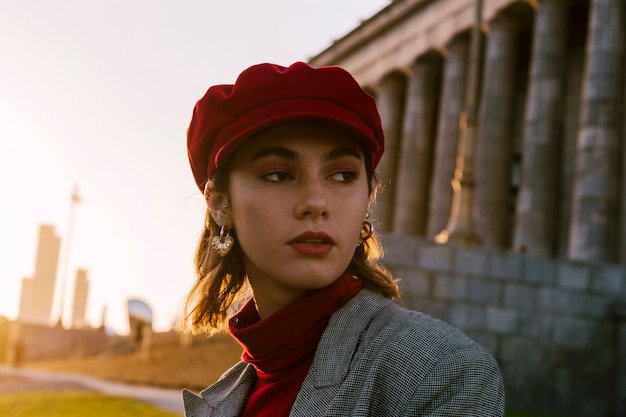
97, 95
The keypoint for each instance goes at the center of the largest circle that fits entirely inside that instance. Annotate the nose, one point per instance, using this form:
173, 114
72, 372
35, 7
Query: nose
312, 202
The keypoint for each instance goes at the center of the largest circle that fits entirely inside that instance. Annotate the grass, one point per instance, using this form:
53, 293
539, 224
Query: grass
75, 404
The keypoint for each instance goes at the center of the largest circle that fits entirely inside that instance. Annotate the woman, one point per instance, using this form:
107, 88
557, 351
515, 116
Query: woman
289, 262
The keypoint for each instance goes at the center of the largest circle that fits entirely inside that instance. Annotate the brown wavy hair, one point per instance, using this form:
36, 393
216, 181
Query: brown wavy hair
221, 286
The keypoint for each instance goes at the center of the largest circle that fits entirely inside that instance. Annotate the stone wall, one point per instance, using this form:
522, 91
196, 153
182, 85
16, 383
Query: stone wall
546, 290
21, 342
555, 326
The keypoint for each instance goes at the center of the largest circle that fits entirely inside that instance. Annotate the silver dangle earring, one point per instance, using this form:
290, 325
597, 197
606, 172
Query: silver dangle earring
223, 243
366, 232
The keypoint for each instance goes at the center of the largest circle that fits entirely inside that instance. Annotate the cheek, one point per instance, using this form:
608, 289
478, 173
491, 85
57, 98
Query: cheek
360, 203
252, 208
354, 214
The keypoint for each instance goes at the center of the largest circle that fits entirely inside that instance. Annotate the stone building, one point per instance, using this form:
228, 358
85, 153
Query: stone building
522, 242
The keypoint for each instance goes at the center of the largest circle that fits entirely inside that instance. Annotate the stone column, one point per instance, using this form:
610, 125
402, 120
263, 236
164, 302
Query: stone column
594, 227
390, 101
621, 258
537, 203
618, 394
574, 66
418, 135
446, 144
495, 133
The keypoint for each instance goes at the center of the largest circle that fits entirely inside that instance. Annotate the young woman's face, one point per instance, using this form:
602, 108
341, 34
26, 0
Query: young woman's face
298, 197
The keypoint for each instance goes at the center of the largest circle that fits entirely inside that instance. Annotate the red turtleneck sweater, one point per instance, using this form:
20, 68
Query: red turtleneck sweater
282, 346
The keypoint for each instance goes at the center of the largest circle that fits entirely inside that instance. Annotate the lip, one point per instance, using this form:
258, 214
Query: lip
312, 243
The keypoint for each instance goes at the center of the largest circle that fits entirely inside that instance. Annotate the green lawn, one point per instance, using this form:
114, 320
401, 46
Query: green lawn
75, 404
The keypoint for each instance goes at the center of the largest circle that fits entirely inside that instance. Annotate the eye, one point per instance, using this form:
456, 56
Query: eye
277, 176
345, 176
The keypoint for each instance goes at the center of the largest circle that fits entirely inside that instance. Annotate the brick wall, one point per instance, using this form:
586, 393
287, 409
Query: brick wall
555, 326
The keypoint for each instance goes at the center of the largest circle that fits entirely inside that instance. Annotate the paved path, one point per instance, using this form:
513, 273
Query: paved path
20, 379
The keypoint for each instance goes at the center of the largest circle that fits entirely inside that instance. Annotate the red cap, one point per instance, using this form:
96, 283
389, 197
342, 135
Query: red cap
267, 94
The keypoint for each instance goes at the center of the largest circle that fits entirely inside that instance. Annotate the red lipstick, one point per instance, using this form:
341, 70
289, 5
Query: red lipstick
312, 244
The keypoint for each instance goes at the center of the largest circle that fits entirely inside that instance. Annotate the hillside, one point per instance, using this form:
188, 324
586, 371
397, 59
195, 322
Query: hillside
169, 365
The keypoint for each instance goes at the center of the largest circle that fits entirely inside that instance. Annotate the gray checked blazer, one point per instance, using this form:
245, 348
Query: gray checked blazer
378, 359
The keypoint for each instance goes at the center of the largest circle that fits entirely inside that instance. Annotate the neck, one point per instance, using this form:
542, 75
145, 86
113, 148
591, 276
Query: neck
268, 304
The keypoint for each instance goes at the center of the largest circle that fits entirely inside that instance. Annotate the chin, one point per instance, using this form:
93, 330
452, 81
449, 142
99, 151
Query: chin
316, 281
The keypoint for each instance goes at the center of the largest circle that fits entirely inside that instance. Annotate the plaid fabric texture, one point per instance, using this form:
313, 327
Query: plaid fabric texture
378, 359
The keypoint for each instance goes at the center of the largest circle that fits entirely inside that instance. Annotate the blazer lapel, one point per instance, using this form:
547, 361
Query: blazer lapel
335, 351
225, 398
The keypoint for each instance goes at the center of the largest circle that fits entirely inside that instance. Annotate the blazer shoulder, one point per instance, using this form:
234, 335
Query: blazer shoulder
406, 336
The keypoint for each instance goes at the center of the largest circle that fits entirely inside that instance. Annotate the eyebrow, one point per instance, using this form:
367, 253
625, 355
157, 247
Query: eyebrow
340, 152
279, 151
291, 155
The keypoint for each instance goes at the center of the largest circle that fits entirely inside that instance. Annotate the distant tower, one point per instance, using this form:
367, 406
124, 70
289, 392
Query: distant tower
38, 291
103, 318
74, 199
81, 288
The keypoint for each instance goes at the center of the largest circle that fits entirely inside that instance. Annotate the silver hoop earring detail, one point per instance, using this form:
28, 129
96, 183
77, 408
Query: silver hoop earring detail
366, 231
223, 243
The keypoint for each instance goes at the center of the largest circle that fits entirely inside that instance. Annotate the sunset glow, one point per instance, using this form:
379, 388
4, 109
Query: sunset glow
98, 95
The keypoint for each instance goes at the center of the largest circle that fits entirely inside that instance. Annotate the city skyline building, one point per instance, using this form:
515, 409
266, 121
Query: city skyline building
38, 291
79, 305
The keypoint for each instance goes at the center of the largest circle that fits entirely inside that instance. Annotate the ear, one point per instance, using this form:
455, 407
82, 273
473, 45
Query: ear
219, 208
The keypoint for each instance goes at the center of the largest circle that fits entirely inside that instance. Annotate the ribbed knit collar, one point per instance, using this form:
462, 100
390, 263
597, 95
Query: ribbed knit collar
289, 337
